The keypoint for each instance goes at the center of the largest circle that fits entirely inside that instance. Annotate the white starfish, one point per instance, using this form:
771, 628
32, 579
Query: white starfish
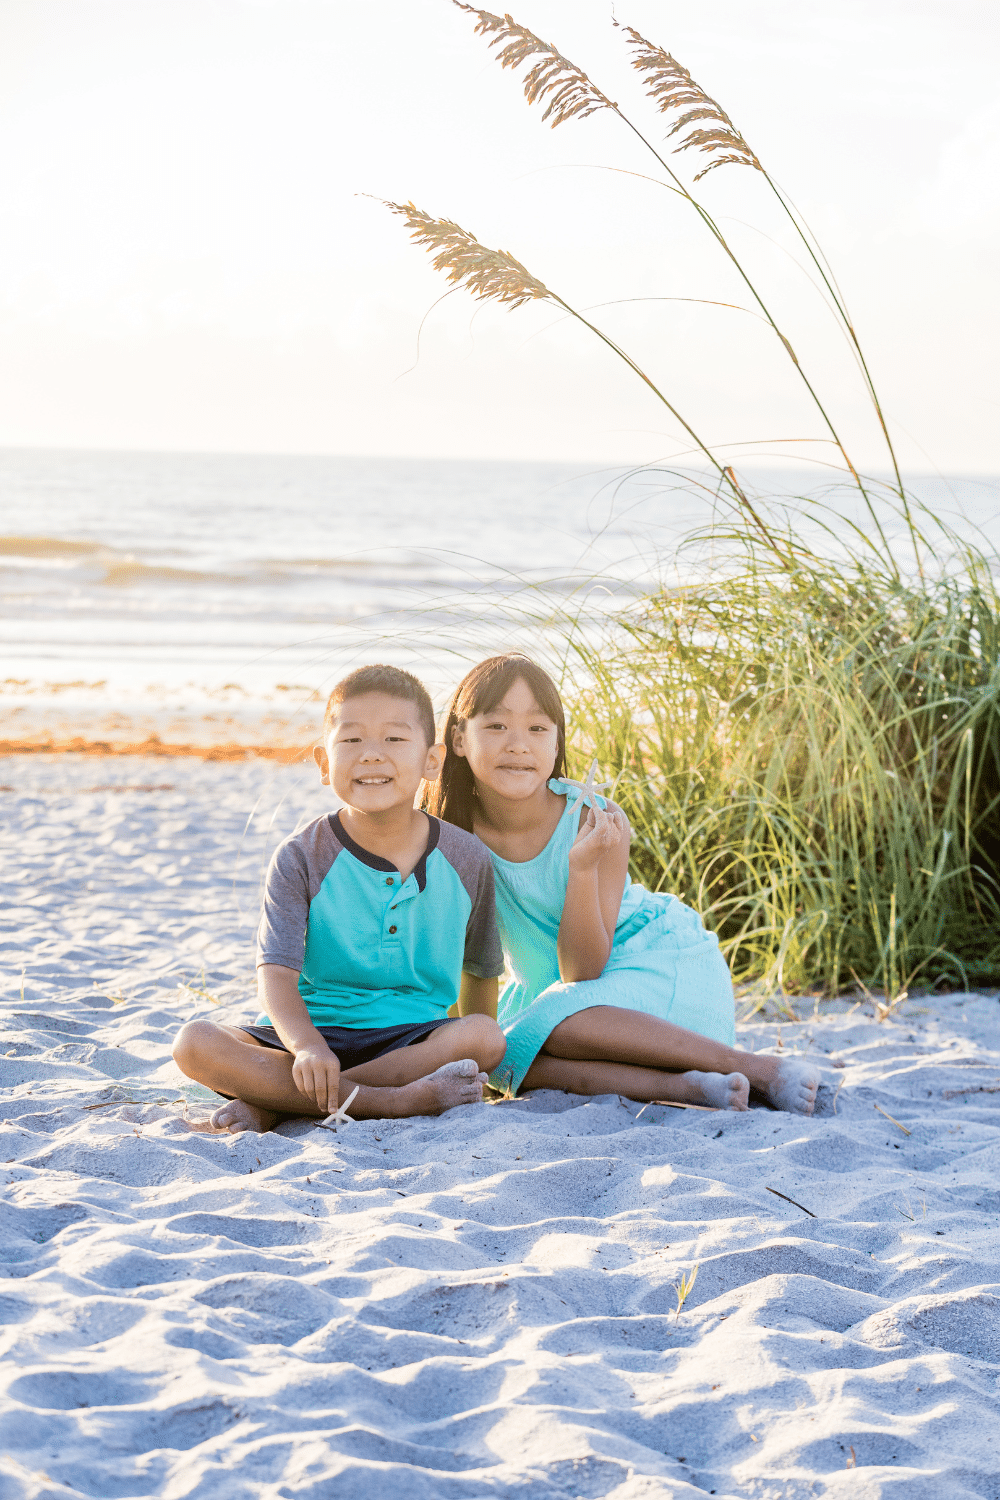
340, 1115
590, 786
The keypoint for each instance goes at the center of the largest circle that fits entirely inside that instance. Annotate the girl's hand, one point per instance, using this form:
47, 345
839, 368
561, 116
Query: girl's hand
602, 831
598, 870
316, 1074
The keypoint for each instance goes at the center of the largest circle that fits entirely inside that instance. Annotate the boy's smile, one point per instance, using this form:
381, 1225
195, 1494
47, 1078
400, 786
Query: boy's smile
376, 755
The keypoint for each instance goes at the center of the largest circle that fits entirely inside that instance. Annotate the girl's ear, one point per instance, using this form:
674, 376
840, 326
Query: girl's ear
323, 761
458, 741
434, 762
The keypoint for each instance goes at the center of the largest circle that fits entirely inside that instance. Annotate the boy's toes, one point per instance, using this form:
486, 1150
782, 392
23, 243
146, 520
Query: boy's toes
464, 1067
237, 1116
227, 1116
458, 1082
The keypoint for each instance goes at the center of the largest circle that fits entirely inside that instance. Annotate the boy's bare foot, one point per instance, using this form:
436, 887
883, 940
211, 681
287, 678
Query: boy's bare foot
453, 1083
787, 1083
237, 1116
718, 1090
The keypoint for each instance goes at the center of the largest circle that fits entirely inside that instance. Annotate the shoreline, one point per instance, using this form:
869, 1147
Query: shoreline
153, 745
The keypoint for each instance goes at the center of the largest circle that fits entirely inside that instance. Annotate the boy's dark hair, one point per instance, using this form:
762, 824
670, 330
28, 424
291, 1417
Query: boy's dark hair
392, 681
452, 797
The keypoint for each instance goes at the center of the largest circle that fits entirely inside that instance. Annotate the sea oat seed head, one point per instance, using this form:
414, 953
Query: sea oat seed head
573, 94
490, 275
670, 86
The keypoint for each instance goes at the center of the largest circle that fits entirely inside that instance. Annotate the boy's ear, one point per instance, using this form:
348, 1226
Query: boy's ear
434, 762
323, 761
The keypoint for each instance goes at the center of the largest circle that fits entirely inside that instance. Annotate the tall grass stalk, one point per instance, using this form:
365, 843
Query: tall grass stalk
496, 276
572, 94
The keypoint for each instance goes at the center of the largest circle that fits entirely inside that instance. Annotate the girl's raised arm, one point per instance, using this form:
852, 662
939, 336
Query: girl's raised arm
598, 864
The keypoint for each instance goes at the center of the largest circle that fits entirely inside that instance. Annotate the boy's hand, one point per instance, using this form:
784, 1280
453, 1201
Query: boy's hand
316, 1073
602, 831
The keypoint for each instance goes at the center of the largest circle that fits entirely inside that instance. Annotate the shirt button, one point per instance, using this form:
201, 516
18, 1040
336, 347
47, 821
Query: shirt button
388, 880
392, 929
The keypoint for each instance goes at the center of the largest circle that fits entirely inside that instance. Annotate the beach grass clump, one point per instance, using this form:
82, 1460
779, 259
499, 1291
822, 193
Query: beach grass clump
810, 757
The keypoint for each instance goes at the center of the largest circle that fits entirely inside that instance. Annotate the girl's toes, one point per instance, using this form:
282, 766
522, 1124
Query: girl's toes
794, 1087
719, 1090
738, 1092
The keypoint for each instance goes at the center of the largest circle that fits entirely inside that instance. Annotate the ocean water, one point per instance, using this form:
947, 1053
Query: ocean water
217, 597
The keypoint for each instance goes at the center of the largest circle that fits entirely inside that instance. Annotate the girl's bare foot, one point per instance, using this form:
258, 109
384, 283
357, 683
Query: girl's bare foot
787, 1083
454, 1083
718, 1090
237, 1116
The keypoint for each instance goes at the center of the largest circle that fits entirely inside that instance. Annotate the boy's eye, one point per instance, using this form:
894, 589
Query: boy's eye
349, 739
496, 725
395, 739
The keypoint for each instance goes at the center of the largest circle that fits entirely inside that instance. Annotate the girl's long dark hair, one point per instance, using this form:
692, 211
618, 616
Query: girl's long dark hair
453, 796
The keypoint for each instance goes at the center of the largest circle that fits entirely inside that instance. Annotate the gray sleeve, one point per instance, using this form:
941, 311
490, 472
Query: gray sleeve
297, 870
470, 859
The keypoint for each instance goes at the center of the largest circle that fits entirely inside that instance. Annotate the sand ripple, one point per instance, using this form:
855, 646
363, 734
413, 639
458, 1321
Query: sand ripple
482, 1304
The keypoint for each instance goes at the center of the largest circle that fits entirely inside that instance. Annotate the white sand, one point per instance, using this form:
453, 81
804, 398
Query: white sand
476, 1305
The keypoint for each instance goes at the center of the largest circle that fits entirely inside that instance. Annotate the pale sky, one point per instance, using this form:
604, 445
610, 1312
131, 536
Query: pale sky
185, 262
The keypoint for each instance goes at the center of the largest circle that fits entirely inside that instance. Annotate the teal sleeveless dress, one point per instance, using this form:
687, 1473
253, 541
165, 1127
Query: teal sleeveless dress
662, 961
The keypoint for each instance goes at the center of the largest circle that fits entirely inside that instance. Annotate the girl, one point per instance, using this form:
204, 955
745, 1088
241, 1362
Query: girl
616, 989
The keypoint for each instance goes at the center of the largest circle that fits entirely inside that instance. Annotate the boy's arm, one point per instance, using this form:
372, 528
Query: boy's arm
316, 1070
478, 997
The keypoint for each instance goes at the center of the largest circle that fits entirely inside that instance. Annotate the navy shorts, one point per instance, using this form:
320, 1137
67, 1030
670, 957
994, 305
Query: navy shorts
352, 1047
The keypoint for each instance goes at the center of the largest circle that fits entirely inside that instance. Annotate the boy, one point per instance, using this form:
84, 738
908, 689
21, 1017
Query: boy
370, 916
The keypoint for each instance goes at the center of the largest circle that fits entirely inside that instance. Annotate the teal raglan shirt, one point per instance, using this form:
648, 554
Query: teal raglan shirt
372, 950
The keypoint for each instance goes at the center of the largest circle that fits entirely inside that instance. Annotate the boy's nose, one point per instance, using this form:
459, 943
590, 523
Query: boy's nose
372, 752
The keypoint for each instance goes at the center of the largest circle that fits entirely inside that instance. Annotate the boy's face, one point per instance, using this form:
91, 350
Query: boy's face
376, 754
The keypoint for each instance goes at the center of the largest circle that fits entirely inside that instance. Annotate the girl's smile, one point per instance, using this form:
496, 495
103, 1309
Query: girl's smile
511, 749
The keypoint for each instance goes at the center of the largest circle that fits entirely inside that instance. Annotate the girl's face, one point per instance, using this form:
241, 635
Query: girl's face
512, 749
